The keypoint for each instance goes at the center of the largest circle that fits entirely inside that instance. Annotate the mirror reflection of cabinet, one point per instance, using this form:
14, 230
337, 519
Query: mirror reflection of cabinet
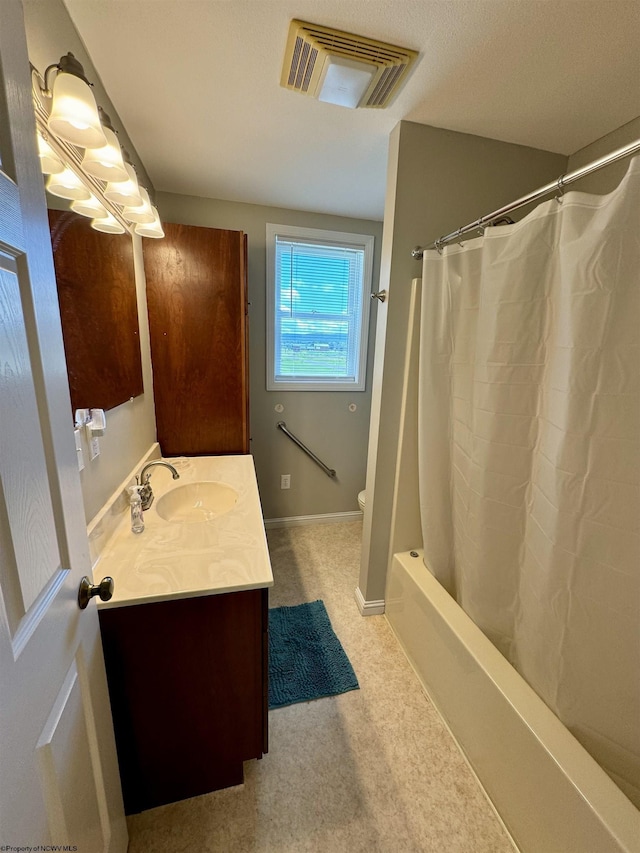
197, 303
97, 294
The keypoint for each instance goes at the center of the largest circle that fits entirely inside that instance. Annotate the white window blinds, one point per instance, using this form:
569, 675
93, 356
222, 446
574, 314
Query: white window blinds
319, 331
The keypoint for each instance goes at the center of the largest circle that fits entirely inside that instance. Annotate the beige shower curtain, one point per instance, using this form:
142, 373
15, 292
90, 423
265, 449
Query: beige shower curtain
530, 454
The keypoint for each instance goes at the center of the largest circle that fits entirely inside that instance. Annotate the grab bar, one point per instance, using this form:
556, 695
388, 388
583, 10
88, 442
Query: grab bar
328, 471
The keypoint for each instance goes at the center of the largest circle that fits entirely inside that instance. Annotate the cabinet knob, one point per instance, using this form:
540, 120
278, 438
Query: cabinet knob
87, 590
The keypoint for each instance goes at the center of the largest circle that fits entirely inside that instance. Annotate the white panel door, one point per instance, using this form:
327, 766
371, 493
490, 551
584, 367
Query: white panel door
59, 782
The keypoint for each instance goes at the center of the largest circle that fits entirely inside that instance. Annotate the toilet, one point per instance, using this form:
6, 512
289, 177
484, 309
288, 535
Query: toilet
361, 497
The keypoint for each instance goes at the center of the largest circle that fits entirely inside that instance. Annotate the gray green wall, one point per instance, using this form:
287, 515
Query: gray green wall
131, 427
605, 180
437, 180
321, 419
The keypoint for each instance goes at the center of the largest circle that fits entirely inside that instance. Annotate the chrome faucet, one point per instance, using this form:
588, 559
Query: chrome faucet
146, 495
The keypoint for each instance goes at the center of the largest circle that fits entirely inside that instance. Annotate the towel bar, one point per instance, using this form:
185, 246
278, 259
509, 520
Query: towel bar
330, 472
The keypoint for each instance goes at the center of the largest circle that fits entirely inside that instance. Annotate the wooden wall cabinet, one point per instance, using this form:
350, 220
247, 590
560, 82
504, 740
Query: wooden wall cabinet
96, 284
197, 303
188, 683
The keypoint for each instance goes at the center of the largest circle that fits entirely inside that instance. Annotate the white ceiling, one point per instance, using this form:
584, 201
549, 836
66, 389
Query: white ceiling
196, 84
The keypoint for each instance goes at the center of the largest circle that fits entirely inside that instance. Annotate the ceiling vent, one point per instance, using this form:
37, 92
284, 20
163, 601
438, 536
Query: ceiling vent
343, 68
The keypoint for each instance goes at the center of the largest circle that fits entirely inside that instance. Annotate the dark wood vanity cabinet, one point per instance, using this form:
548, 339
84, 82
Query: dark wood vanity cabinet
188, 684
197, 304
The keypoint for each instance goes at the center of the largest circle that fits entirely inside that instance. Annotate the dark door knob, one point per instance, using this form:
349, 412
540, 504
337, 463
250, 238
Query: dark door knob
87, 590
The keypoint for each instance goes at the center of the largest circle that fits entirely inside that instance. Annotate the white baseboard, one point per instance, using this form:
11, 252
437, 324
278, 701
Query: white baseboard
368, 608
300, 520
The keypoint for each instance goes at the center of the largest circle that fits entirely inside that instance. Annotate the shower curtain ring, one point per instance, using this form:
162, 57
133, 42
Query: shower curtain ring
560, 193
438, 246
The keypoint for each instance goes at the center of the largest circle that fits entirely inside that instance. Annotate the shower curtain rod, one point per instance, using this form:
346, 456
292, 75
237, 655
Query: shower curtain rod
555, 186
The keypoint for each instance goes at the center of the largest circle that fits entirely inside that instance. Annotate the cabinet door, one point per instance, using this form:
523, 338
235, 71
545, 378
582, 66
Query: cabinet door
187, 681
196, 294
97, 293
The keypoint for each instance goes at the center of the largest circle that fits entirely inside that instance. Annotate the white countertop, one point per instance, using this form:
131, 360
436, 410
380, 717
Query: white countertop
171, 560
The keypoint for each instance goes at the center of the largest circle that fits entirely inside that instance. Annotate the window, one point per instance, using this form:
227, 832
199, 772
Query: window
318, 286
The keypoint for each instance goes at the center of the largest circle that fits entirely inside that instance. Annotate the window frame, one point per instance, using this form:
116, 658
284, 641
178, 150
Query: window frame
322, 236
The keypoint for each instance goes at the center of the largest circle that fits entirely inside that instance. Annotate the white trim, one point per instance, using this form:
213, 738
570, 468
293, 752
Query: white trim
301, 520
369, 608
366, 242
39, 608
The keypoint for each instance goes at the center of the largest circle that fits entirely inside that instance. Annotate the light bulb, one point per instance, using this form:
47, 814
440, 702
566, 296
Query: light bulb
124, 192
91, 208
50, 164
67, 184
109, 225
153, 229
142, 213
106, 163
74, 113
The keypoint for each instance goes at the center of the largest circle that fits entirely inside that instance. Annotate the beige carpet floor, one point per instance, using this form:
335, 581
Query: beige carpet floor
370, 770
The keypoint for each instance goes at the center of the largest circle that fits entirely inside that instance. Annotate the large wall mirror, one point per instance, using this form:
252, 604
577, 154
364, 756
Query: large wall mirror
97, 294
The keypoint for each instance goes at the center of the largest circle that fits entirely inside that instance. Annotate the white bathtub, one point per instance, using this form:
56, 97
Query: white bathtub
552, 796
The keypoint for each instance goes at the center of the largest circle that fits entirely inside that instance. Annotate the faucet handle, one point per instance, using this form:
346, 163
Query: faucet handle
146, 494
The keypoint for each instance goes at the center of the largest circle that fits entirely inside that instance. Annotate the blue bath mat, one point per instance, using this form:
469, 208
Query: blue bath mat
306, 659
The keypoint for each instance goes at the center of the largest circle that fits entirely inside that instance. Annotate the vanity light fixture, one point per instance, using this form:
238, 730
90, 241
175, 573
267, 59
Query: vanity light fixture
153, 229
67, 184
49, 163
74, 112
79, 151
124, 192
106, 163
141, 213
109, 224
90, 208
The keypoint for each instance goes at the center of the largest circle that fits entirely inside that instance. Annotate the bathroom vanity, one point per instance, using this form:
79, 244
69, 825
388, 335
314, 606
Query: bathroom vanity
185, 635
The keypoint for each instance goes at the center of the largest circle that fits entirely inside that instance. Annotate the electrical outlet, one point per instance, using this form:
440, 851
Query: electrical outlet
285, 481
94, 448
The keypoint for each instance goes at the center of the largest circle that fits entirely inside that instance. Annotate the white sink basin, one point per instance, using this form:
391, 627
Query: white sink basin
201, 501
